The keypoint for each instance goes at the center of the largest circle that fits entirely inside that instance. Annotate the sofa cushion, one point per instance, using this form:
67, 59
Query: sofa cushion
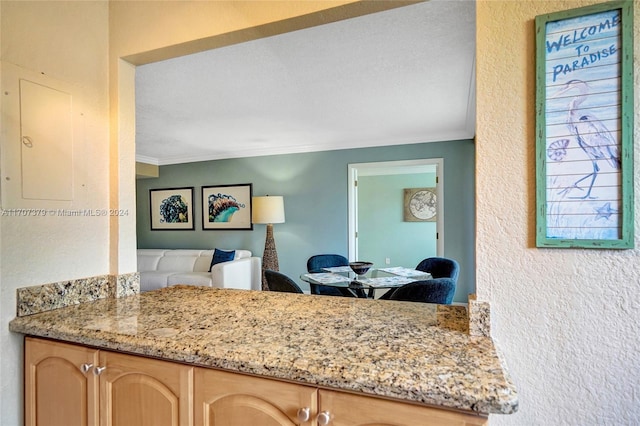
203, 261
148, 259
182, 252
220, 256
172, 262
190, 278
241, 254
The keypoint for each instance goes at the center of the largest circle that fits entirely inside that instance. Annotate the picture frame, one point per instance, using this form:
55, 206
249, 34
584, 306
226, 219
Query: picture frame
171, 209
420, 205
584, 127
227, 207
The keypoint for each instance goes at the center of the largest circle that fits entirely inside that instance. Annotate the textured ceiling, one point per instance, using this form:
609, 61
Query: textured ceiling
401, 76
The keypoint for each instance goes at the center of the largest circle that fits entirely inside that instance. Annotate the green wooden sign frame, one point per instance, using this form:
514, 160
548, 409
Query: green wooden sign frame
584, 127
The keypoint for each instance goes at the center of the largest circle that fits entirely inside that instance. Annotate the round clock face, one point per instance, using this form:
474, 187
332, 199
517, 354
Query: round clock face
423, 205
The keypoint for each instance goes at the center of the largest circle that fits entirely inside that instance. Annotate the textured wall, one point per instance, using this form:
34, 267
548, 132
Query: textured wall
567, 320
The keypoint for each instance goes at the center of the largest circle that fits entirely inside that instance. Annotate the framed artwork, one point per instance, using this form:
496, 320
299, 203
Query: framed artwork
171, 209
227, 207
420, 205
584, 119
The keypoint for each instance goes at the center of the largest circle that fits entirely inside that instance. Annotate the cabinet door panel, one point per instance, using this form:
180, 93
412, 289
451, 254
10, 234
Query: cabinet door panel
144, 392
57, 391
228, 399
354, 410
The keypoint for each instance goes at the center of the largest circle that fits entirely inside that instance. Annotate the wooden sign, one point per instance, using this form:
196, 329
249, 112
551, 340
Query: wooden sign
584, 123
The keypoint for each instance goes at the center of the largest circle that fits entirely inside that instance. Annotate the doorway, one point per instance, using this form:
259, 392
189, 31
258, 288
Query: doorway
377, 227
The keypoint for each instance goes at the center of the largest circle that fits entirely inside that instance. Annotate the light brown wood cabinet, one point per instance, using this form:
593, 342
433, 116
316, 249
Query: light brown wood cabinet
72, 385
59, 386
66, 384
144, 392
228, 399
346, 409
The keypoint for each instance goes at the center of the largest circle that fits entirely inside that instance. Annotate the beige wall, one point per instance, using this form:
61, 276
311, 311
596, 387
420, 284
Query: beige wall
66, 42
566, 319
138, 28
36, 250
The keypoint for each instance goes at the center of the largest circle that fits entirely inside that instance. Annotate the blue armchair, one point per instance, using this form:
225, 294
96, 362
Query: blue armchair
315, 264
437, 290
440, 267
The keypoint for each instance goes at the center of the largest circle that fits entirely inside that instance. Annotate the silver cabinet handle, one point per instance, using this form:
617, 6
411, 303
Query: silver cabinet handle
98, 370
304, 414
324, 418
86, 367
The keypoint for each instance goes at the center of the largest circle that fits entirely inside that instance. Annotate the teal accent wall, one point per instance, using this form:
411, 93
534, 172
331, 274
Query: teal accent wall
382, 231
314, 187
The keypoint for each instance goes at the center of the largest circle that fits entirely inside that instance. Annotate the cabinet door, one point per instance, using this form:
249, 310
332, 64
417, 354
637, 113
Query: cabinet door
345, 409
228, 399
59, 385
144, 392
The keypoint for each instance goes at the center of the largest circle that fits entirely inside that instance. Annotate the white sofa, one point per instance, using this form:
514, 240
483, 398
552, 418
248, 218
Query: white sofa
160, 268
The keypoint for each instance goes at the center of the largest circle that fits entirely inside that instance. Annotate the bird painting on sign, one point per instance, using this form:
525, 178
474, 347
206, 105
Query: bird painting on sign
583, 136
591, 134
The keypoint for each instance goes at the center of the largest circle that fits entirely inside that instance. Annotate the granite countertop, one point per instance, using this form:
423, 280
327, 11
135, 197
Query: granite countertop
409, 351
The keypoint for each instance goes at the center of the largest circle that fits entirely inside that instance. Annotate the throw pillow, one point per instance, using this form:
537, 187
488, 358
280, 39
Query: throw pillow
220, 256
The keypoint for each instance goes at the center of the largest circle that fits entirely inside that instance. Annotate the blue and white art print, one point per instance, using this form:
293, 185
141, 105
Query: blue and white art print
227, 207
171, 209
582, 115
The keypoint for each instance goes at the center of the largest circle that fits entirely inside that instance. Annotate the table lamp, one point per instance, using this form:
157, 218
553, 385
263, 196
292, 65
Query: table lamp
268, 210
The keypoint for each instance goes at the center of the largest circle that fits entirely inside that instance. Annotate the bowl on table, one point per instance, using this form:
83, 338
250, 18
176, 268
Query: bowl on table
360, 268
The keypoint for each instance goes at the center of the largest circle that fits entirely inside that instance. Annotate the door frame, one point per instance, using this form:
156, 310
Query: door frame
425, 165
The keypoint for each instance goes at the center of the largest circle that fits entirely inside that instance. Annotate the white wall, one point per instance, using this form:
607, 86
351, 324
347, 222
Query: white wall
567, 320
66, 41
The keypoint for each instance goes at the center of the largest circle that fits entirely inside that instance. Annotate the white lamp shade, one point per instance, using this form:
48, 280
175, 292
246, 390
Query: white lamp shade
267, 209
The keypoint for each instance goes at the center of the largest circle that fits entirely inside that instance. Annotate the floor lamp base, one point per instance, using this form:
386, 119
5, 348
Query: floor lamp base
269, 256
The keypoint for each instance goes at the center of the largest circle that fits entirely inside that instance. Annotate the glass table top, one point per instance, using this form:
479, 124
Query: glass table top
375, 278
